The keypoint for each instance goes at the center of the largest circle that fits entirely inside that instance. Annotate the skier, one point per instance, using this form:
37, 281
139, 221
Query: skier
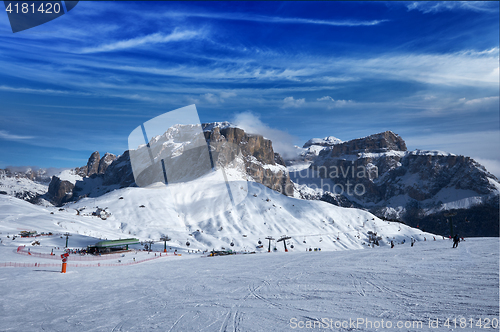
456, 240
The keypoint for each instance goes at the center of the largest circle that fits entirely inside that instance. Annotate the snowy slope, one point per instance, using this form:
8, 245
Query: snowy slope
148, 213
263, 292
21, 187
70, 176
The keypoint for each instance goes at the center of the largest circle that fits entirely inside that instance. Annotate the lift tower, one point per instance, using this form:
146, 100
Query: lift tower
165, 239
284, 238
270, 238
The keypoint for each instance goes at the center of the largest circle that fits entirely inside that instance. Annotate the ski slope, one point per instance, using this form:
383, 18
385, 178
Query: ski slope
194, 214
261, 292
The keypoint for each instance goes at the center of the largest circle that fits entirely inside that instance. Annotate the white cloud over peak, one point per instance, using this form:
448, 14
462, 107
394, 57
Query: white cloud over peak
282, 141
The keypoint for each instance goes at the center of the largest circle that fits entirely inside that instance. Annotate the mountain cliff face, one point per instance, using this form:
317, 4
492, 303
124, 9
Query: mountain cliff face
102, 175
60, 191
417, 187
96, 164
260, 161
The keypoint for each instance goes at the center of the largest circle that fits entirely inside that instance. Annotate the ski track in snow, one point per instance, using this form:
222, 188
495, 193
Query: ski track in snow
260, 292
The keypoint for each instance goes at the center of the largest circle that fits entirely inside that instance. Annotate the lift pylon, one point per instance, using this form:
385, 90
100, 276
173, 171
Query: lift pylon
270, 238
284, 238
165, 239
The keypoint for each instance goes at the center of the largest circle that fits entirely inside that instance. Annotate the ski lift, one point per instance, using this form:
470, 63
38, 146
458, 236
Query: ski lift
187, 243
304, 240
260, 242
232, 244
320, 239
291, 246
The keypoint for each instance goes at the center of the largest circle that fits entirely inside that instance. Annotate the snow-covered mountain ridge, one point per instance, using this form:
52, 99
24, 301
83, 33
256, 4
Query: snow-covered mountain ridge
149, 213
24, 182
256, 157
417, 187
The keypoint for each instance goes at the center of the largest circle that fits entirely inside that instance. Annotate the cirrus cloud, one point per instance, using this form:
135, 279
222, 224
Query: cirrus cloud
155, 38
12, 137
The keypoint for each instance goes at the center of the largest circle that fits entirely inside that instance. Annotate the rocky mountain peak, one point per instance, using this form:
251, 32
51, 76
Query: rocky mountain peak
93, 163
377, 143
416, 187
327, 141
105, 161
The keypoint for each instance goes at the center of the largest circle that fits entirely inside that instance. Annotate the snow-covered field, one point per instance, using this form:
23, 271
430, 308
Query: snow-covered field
262, 292
347, 285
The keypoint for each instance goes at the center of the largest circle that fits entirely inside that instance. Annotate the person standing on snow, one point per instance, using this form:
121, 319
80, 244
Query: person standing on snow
456, 240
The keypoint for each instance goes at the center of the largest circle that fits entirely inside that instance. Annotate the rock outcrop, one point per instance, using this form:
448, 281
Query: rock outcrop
104, 162
418, 187
258, 154
382, 142
96, 164
93, 163
60, 191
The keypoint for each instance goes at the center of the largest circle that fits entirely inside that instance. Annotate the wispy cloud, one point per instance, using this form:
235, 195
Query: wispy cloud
454, 69
276, 19
155, 38
467, 67
480, 101
12, 137
42, 91
445, 106
433, 7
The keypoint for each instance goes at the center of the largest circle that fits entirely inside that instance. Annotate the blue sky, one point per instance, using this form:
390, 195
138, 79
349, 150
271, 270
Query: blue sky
426, 70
